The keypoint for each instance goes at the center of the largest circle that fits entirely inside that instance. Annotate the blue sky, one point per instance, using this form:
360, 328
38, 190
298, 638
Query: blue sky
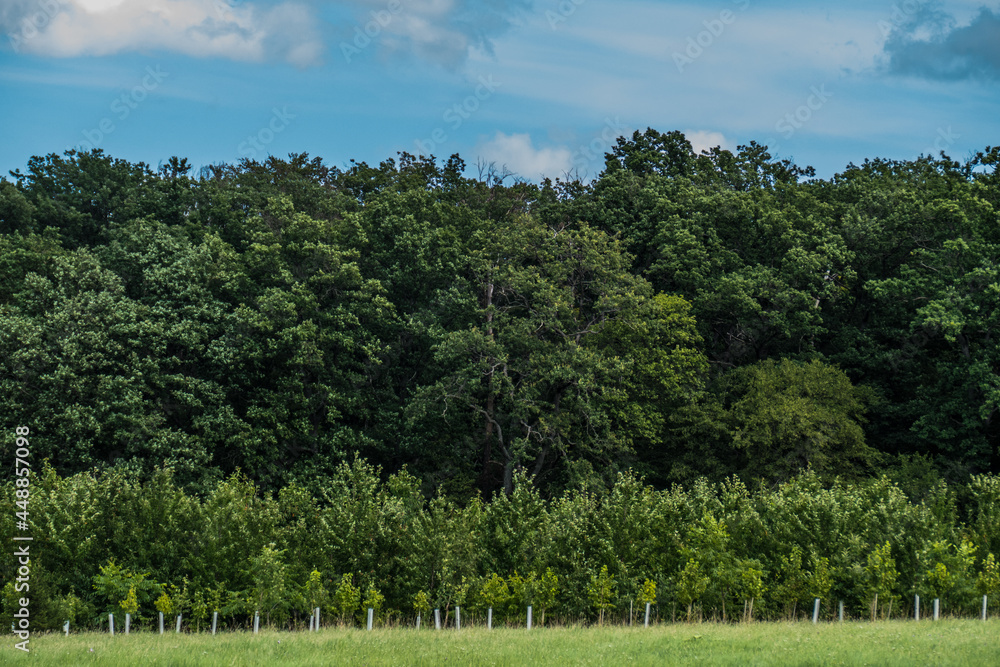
541, 86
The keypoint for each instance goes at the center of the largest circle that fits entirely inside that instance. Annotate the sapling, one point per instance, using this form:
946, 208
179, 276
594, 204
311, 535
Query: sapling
421, 604
601, 590
346, 599
691, 585
988, 581
373, 600
881, 574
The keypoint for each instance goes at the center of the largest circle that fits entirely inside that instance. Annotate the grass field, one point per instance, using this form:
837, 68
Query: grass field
946, 642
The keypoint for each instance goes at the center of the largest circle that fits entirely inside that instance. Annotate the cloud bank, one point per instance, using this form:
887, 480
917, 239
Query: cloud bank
931, 46
517, 153
199, 28
439, 31
443, 32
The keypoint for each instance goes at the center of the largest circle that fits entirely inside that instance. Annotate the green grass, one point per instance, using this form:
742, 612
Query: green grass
946, 642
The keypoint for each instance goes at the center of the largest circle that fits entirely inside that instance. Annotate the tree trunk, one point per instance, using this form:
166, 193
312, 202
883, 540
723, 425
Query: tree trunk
490, 400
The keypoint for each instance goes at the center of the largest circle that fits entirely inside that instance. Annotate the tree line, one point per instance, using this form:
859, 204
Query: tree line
683, 315
105, 543
209, 352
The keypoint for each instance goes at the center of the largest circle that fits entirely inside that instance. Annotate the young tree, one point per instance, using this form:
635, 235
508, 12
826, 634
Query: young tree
601, 591
881, 575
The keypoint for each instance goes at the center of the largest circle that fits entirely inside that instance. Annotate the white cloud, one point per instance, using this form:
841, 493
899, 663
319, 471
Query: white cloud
445, 32
201, 28
517, 153
704, 140
98, 5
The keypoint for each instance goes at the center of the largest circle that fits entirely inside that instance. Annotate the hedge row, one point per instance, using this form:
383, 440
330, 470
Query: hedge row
107, 543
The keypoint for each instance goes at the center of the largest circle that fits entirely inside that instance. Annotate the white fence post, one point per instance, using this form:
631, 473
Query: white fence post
916, 607
161, 622
111, 624
215, 620
529, 616
128, 622
256, 621
316, 624
437, 619
489, 618
815, 611
371, 617
178, 622
458, 617
984, 607
646, 623
418, 621
937, 608
840, 614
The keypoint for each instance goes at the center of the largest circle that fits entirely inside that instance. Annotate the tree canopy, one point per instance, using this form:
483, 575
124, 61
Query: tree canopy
682, 315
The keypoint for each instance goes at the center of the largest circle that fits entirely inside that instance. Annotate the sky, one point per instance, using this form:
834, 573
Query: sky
540, 87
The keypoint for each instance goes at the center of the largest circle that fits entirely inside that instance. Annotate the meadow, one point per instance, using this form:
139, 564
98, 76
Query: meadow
945, 642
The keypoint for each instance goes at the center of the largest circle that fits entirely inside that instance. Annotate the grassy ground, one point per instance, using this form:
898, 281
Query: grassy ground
946, 642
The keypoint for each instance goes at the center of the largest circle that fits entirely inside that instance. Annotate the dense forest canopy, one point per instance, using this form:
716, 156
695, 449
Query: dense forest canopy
682, 315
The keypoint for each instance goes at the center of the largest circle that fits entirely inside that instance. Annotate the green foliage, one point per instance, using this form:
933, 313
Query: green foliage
200, 608
495, 593
165, 604
421, 603
709, 549
130, 604
314, 593
988, 582
124, 589
278, 369
647, 594
984, 511
70, 608
346, 599
947, 573
546, 592
522, 589
788, 416
683, 315
691, 585
819, 581
792, 582
601, 591
373, 600
881, 575
270, 583
750, 587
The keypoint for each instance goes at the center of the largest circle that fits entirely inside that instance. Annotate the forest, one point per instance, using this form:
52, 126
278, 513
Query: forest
711, 374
